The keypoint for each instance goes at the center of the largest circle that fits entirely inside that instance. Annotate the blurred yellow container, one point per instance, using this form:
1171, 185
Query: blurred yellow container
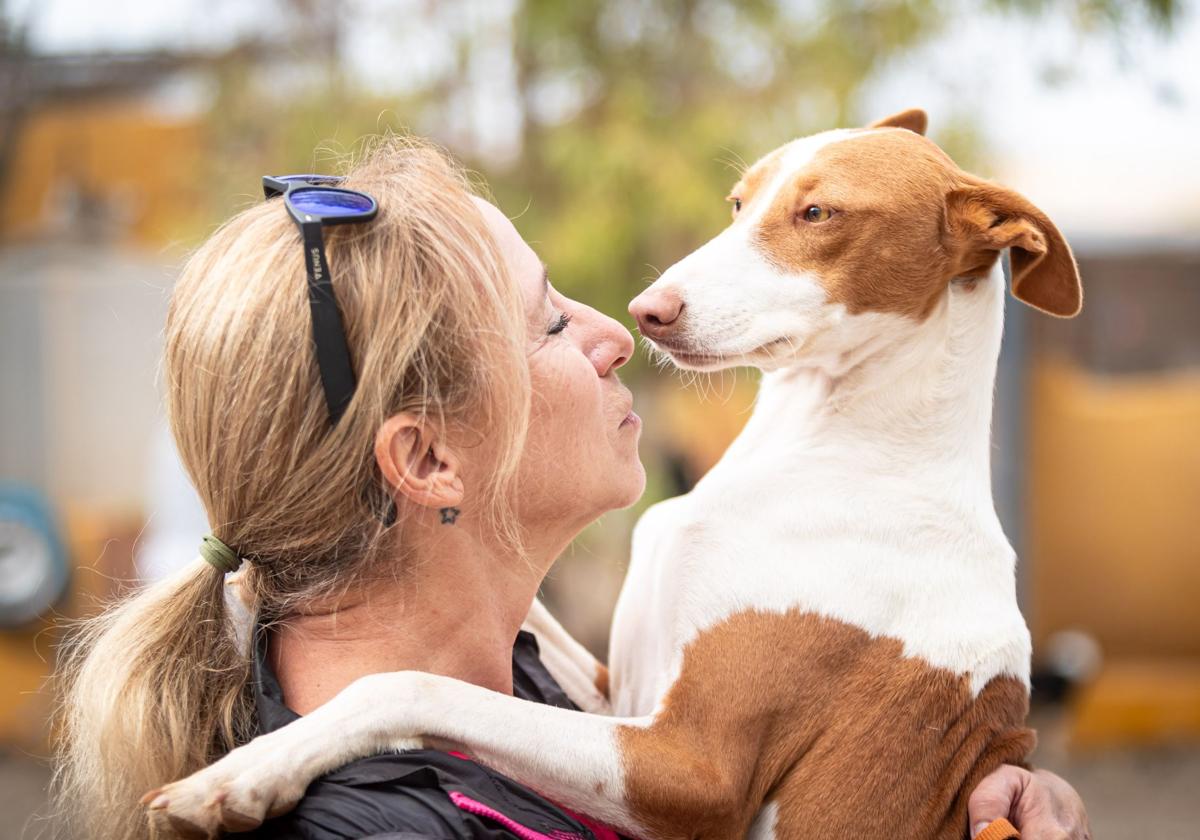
1114, 541
115, 150
100, 546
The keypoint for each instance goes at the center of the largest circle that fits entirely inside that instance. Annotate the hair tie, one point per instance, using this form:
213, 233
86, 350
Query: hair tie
222, 557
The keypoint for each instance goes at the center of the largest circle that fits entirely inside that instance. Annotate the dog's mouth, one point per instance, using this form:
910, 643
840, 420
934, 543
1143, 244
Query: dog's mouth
697, 361
690, 358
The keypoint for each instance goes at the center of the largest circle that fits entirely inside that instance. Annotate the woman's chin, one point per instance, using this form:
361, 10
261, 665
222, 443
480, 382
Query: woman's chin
635, 484
623, 485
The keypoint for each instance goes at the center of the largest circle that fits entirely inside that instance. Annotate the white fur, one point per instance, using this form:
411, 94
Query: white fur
831, 502
736, 300
763, 827
859, 489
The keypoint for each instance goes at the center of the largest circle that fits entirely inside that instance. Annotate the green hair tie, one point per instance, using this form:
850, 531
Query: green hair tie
221, 556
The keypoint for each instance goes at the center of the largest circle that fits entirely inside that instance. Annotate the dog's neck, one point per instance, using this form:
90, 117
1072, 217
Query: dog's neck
912, 403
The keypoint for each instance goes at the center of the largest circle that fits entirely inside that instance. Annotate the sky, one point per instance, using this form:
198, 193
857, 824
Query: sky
1108, 151
1112, 150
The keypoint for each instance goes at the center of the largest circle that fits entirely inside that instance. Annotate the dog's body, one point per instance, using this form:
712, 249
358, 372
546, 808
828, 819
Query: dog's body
822, 638
837, 589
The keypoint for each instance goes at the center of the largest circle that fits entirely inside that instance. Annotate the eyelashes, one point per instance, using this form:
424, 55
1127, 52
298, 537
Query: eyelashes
560, 324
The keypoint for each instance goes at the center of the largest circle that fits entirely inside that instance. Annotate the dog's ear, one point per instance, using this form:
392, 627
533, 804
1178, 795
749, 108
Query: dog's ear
914, 119
982, 219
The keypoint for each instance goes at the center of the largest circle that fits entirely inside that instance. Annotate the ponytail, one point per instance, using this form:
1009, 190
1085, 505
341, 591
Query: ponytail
151, 690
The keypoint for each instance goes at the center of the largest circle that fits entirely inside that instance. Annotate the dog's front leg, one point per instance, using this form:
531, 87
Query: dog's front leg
571, 757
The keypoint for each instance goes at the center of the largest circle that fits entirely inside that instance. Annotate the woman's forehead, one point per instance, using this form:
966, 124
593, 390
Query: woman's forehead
524, 264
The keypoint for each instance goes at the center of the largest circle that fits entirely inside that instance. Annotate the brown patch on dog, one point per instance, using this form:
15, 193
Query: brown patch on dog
982, 218
882, 248
846, 735
906, 221
914, 120
602, 680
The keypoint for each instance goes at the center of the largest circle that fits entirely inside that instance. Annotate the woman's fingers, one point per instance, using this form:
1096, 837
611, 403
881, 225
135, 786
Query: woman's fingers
1051, 809
994, 797
1040, 804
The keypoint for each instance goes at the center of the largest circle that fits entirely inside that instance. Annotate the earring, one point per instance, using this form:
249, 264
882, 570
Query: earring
449, 515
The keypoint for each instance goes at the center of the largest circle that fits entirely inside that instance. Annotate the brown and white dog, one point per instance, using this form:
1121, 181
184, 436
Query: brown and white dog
822, 639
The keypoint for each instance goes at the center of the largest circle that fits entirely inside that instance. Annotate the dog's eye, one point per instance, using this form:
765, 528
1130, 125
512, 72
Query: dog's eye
736, 202
816, 213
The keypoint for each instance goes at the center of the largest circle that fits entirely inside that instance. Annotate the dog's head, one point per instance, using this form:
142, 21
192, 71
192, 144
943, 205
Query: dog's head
875, 222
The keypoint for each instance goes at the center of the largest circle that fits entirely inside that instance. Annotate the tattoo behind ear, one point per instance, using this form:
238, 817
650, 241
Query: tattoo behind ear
449, 515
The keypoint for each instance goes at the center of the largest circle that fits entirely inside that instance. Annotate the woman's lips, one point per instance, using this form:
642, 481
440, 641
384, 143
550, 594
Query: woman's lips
631, 419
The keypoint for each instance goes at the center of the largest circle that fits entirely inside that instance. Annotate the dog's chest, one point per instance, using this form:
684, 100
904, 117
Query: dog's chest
882, 562
826, 717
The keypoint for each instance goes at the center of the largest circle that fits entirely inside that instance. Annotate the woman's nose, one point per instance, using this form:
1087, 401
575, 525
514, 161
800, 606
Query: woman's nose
613, 348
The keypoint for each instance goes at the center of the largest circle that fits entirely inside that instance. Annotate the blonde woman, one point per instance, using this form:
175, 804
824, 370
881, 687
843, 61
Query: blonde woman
399, 454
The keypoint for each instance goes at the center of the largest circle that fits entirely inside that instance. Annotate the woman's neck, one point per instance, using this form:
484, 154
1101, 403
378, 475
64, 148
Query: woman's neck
455, 612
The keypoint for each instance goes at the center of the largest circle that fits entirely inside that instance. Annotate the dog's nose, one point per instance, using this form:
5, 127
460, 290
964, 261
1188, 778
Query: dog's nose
657, 312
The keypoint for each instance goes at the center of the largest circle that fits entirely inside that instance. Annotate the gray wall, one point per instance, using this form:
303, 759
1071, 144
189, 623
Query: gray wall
80, 343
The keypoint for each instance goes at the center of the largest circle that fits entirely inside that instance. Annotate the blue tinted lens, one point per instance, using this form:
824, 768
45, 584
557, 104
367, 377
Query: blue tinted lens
324, 202
319, 180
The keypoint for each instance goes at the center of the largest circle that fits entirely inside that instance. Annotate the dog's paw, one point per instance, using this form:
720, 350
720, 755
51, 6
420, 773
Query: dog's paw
268, 776
260, 780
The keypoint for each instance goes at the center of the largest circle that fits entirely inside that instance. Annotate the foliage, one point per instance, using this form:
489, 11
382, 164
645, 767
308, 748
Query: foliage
659, 102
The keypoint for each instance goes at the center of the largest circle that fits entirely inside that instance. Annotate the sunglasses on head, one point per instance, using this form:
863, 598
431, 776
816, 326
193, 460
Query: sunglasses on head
314, 201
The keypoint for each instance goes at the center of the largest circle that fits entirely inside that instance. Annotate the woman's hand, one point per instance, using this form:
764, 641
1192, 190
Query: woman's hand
1040, 804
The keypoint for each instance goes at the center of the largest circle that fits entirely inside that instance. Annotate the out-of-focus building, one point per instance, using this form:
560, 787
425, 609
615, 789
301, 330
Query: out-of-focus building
98, 170
1113, 489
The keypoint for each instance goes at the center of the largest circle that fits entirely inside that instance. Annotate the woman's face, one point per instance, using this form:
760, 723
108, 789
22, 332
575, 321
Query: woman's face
581, 454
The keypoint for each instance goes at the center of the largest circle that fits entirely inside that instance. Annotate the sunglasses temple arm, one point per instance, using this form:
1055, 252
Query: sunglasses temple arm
329, 333
272, 187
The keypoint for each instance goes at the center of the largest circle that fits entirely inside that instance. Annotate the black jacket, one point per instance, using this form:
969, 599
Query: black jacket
423, 793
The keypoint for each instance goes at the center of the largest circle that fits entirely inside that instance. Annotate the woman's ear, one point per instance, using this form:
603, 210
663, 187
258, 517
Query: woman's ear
417, 464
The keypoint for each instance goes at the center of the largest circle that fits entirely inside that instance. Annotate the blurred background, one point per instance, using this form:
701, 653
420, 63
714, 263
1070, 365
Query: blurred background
612, 131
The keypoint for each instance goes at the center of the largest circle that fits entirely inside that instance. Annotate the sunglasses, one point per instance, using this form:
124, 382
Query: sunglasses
314, 201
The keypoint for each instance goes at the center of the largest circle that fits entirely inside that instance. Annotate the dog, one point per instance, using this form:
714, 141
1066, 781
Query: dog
822, 638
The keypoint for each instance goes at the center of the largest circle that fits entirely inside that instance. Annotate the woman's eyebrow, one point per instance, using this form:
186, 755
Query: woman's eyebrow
545, 280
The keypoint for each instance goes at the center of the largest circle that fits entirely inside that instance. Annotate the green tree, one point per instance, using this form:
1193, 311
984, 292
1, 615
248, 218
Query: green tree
659, 102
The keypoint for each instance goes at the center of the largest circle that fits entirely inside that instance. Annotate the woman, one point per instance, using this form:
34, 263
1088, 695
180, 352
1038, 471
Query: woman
402, 519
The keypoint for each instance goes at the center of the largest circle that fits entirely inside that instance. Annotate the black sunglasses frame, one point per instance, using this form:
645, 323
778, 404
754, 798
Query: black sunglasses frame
329, 333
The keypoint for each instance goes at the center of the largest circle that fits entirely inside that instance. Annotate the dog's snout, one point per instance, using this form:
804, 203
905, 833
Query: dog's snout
657, 312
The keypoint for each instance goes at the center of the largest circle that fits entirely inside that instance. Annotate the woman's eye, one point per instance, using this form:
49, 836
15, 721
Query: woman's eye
817, 213
736, 202
560, 324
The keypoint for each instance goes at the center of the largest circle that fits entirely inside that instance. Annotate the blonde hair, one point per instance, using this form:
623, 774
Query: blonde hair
157, 687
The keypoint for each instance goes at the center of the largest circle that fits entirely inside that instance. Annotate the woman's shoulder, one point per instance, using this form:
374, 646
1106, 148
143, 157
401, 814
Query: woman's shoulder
422, 793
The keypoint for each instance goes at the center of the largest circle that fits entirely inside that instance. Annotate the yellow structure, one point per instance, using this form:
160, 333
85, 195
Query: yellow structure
101, 551
1114, 542
143, 164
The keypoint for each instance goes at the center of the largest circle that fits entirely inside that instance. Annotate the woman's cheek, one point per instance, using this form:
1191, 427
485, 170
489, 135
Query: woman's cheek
558, 401
568, 378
